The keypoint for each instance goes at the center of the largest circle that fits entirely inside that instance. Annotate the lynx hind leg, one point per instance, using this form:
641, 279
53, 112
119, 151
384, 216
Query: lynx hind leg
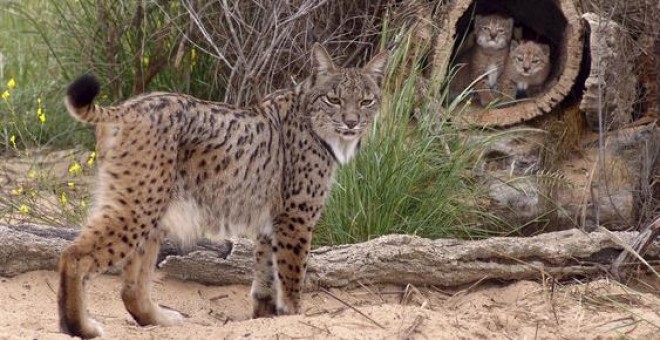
97, 248
263, 292
136, 289
291, 245
128, 212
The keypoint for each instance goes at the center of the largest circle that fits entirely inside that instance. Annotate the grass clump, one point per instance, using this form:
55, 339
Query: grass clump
408, 178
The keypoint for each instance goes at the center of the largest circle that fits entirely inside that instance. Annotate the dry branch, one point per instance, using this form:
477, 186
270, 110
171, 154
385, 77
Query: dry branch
644, 240
396, 259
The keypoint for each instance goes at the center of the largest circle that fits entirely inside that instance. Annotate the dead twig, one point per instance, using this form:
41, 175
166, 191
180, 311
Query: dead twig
411, 329
50, 287
315, 327
219, 297
351, 307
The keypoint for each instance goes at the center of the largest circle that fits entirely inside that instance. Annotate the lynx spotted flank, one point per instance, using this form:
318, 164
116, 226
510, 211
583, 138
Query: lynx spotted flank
173, 164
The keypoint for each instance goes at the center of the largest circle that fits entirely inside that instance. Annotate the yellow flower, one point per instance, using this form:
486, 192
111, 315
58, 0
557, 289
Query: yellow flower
32, 174
17, 191
24, 209
12, 139
92, 157
83, 203
11, 83
71, 185
6, 95
75, 169
145, 61
41, 115
63, 198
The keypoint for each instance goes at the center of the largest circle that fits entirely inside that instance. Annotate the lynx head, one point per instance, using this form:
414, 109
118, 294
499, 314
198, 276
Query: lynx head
342, 102
493, 31
529, 58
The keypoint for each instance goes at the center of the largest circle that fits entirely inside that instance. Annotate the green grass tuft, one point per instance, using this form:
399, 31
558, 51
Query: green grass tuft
408, 178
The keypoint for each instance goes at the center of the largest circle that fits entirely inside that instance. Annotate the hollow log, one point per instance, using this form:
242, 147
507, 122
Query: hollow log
394, 259
556, 20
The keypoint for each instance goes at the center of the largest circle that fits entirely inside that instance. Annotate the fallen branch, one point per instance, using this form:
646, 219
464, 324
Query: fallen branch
640, 245
395, 259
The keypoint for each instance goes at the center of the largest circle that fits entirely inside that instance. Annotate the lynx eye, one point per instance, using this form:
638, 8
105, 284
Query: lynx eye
332, 100
519, 58
536, 61
367, 102
500, 30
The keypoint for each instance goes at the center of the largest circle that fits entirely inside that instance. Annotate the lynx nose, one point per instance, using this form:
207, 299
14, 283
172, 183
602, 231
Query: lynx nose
493, 35
350, 123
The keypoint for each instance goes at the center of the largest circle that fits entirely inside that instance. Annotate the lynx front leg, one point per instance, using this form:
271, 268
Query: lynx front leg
484, 92
263, 294
291, 246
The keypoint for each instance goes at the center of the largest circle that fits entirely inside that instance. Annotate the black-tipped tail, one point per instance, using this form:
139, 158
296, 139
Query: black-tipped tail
82, 91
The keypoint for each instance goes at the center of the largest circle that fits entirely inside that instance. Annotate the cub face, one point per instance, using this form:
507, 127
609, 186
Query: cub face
493, 31
529, 58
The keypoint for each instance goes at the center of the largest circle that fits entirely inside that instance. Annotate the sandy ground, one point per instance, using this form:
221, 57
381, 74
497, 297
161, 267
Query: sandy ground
522, 310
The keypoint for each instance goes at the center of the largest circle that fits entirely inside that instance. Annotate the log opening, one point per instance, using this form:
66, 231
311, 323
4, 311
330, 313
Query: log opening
555, 22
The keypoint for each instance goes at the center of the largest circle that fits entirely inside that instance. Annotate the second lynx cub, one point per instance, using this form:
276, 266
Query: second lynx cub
526, 70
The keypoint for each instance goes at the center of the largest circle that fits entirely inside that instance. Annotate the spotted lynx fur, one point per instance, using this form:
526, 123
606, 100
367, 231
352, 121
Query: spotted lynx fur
484, 61
179, 165
526, 70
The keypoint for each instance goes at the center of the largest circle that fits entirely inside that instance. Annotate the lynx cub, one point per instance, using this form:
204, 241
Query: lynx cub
526, 70
174, 163
486, 59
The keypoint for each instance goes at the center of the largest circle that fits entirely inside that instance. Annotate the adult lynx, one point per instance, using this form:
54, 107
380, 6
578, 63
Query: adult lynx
174, 163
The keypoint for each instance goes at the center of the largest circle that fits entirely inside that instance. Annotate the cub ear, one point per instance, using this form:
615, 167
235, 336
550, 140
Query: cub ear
377, 66
509, 23
514, 45
545, 48
321, 60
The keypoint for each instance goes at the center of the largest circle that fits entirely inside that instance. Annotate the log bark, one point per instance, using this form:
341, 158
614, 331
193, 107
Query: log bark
610, 89
394, 259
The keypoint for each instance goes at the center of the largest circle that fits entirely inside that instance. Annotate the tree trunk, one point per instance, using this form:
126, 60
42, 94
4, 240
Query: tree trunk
394, 259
